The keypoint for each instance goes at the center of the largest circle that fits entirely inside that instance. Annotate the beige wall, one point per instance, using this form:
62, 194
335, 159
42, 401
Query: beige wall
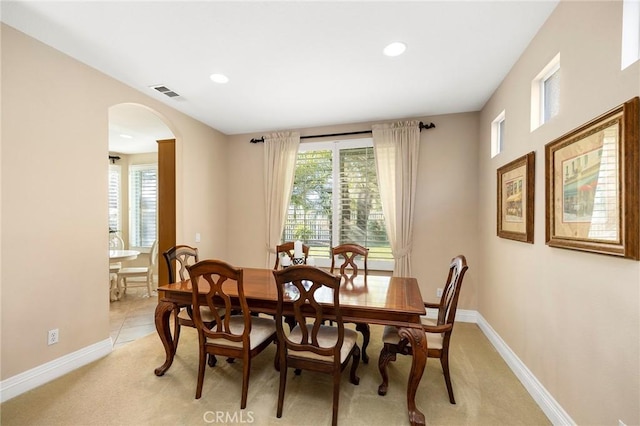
572, 317
54, 222
446, 197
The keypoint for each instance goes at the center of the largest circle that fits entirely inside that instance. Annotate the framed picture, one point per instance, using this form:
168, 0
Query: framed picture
592, 178
516, 183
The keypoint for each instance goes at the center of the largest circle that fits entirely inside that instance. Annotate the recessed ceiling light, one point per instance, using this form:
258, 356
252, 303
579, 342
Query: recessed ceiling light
219, 78
394, 49
122, 135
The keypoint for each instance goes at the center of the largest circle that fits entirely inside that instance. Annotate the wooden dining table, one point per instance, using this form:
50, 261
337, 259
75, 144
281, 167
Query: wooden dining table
375, 300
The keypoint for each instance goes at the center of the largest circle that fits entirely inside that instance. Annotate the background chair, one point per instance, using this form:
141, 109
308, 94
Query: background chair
178, 258
139, 271
438, 333
237, 336
348, 271
349, 254
287, 248
115, 243
313, 346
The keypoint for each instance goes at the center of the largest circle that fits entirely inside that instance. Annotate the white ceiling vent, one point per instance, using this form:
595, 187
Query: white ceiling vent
165, 91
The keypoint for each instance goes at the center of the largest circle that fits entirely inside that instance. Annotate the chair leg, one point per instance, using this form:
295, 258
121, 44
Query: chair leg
444, 361
246, 369
113, 287
386, 356
354, 366
149, 280
119, 287
212, 360
336, 397
201, 369
364, 328
283, 385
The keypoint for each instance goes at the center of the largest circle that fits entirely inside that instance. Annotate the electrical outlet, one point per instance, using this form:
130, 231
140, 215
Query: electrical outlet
197, 237
439, 292
52, 337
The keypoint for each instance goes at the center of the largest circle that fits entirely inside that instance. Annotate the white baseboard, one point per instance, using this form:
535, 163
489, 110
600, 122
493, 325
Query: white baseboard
462, 315
554, 412
23, 382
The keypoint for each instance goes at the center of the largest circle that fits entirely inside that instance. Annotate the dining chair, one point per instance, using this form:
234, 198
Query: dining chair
115, 243
287, 249
177, 259
214, 283
113, 280
139, 272
350, 254
438, 332
311, 345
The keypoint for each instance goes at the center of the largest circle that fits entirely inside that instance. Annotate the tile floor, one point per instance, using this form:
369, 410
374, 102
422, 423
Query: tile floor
132, 316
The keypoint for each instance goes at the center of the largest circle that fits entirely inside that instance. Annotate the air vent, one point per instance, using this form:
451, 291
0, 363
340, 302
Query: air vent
165, 91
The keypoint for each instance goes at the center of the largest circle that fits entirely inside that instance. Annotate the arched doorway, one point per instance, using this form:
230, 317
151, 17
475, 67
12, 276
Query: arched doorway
142, 135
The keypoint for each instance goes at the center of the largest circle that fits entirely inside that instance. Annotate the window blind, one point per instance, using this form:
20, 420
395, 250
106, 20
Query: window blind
114, 197
143, 195
361, 218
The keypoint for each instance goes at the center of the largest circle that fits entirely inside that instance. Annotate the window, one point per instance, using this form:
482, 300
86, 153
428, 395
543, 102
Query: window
335, 200
114, 197
551, 96
545, 94
630, 32
143, 190
497, 134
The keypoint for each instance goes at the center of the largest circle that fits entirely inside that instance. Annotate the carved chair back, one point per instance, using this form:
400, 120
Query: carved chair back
287, 249
178, 258
304, 285
219, 282
349, 253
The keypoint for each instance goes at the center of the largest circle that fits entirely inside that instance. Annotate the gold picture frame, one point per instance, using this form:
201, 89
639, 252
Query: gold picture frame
592, 184
516, 191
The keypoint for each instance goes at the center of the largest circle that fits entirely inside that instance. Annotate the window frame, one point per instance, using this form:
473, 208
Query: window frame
630, 49
497, 134
335, 146
538, 92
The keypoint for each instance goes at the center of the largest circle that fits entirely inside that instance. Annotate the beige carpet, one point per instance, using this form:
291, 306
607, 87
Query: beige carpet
121, 389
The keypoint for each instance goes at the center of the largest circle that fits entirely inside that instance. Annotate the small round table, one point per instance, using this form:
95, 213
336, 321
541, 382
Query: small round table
118, 256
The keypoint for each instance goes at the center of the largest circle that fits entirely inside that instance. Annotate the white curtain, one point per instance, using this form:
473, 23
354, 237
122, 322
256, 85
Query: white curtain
396, 147
280, 153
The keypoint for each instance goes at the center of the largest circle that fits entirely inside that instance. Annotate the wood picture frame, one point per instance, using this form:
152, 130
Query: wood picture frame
516, 194
592, 179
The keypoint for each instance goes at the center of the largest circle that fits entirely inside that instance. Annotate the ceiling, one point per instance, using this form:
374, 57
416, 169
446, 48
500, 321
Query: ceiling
291, 64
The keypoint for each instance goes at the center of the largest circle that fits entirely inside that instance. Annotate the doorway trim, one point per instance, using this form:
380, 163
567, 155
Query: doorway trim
166, 202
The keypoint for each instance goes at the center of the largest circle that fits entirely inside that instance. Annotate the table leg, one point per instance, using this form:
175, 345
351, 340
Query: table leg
163, 313
418, 341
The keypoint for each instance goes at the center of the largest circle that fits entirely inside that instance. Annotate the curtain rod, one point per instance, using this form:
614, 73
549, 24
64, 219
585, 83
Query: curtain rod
362, 132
